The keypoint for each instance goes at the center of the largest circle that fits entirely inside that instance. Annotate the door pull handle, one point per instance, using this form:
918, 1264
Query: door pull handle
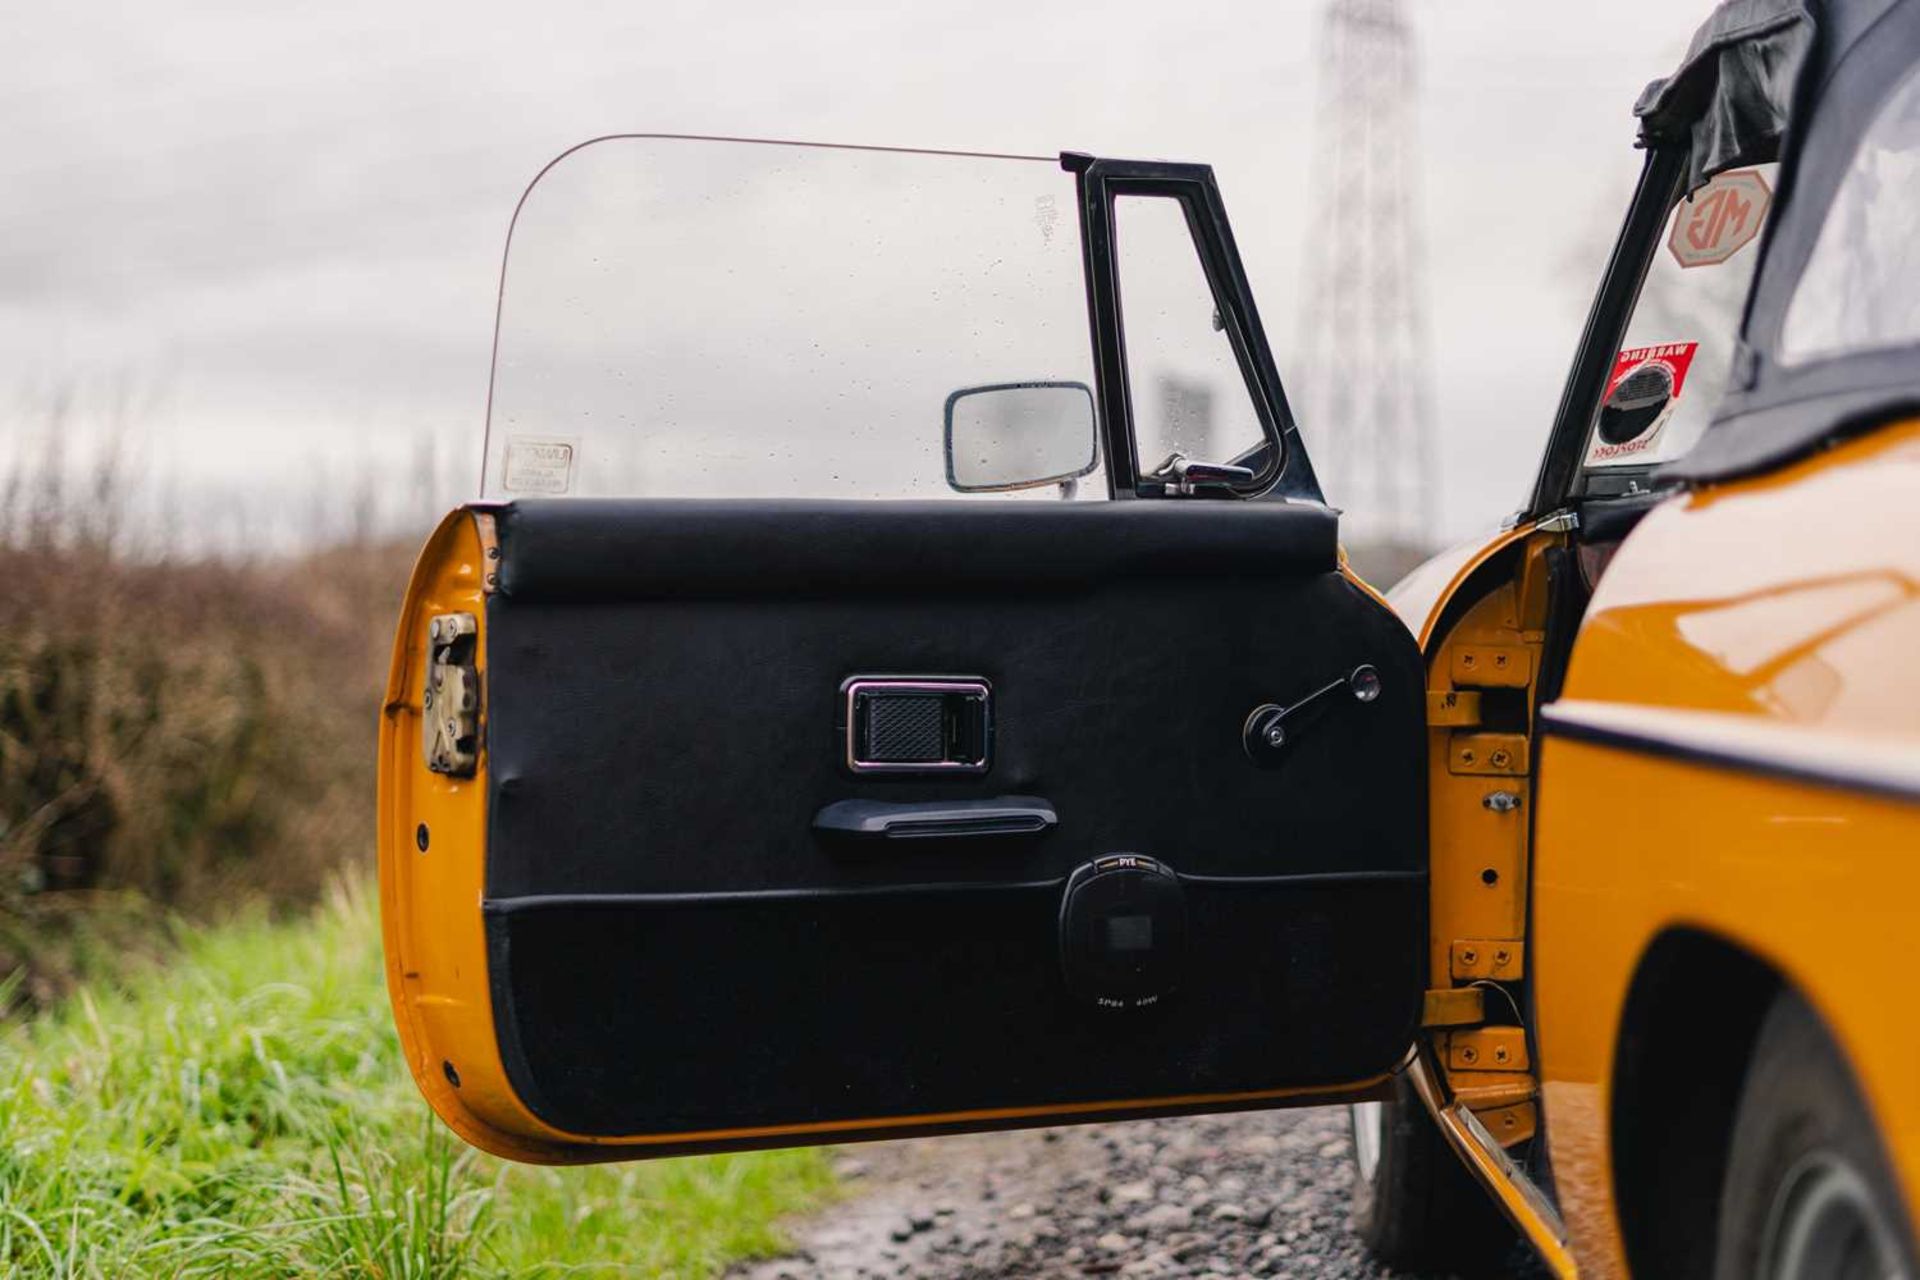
936, 819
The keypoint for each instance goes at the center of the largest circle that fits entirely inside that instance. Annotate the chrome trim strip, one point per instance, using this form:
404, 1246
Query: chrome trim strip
1877, 763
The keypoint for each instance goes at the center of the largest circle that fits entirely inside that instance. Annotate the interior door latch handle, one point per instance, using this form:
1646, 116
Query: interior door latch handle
1270, 726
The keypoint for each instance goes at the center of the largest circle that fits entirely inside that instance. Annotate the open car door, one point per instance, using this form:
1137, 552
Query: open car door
879, 694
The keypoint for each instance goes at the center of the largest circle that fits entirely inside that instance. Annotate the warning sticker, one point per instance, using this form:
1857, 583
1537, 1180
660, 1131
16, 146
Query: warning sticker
538, 465
1719, 219
1642, 390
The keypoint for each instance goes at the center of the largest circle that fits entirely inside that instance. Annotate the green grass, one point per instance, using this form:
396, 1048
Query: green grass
243, 1111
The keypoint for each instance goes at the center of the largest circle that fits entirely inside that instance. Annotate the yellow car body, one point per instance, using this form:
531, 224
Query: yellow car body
1738, 764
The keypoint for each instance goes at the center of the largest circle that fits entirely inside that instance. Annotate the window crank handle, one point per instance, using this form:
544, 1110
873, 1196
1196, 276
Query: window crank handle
1270, 726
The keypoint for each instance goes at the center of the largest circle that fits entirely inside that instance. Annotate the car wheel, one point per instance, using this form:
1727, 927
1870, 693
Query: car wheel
1808, 1193
1414, 1203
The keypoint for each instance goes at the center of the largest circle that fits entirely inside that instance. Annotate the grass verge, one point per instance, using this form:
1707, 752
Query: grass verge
244, 1112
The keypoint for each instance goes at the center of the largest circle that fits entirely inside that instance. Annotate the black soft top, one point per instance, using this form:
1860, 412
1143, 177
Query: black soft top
1798, 81
1731, 95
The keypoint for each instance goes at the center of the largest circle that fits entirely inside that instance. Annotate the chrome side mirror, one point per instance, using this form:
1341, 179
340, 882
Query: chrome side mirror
1020, 435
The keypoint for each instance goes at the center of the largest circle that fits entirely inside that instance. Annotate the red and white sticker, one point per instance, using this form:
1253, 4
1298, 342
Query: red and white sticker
1645, 385
1719, 219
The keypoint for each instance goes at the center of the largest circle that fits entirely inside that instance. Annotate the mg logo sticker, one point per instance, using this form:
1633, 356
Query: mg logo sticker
1719, 219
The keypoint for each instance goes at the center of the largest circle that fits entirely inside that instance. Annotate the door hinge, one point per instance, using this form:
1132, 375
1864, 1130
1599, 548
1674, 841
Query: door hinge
1500, 666
1497, 754
1496, 958
450, 705
1454, 1007
1487, 1049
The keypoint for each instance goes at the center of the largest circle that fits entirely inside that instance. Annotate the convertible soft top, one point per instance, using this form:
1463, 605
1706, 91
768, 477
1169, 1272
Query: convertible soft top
1799, 81
1733, 91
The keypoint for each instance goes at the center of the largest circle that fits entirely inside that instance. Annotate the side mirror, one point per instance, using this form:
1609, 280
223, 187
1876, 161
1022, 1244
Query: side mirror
1020, 435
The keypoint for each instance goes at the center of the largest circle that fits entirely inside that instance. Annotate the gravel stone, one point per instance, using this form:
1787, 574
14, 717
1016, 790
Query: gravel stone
1165, 1217
1260, 1193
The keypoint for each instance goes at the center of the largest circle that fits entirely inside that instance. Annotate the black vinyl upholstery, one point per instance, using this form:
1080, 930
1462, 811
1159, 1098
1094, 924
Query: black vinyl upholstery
674, 949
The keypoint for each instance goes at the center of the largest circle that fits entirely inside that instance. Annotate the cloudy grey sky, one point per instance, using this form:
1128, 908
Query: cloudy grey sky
283, 224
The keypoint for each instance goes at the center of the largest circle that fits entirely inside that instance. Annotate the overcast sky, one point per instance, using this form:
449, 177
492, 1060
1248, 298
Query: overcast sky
282, 225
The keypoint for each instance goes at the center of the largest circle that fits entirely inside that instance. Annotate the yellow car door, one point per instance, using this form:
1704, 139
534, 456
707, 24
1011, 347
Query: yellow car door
1075, 781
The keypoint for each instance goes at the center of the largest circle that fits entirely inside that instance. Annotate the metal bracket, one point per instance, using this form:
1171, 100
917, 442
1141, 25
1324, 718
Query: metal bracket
1501, 959
1488, 1049
1499, 666
1559, 522
1494, 754
450, 705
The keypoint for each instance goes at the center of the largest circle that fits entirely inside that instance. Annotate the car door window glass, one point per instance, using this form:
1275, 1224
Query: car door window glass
1189, 393
1672, 366
1861, 286
710, 318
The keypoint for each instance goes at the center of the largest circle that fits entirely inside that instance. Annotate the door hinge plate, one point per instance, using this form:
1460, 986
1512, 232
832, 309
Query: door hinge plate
450, 705
1499, 666
1494, 754
1496, 958
1487, 1049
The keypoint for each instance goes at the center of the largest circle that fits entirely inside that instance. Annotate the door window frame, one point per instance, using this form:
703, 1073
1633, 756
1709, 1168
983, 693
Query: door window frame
1658, 190
1280, 464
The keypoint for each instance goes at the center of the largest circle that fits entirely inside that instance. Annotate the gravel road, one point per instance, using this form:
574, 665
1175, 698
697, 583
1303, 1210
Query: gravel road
1257, 1194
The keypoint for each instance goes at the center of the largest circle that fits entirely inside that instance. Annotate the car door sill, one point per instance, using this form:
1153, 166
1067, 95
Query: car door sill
1518, 1195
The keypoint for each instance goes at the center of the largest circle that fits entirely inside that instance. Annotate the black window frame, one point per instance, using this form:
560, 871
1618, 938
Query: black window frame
1280, 464
1558, 481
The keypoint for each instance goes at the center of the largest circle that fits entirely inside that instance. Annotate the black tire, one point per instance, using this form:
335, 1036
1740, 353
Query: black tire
1808, 1193
1417, 1207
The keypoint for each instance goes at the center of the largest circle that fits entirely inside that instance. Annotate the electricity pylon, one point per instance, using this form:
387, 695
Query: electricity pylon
1362, 342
